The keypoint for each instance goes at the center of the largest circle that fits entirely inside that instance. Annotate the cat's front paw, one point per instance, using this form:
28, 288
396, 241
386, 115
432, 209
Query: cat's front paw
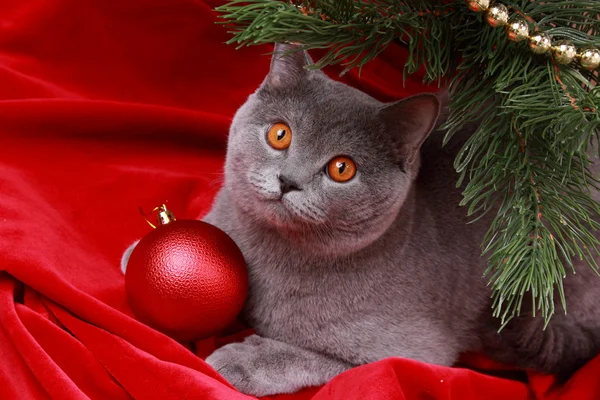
251, 367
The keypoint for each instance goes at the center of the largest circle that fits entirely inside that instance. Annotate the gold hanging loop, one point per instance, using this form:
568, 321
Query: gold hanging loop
163, 217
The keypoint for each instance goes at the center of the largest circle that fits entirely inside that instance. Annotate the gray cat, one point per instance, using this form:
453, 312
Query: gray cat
356, 247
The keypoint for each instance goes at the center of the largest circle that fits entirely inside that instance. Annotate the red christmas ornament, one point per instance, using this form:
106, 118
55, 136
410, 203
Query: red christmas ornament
186, 278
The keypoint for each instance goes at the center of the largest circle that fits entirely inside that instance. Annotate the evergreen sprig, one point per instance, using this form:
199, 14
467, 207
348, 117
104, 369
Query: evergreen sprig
528, 159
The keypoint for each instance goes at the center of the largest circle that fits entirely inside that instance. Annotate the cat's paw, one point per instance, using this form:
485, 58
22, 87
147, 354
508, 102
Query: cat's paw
126, 255
250, 367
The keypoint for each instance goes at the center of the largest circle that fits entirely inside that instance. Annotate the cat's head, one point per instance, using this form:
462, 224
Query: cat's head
321, 162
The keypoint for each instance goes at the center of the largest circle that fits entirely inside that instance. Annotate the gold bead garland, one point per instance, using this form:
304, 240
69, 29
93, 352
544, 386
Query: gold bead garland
517, 29
540, 42
497, 15
478, 5
564, 52
590, 59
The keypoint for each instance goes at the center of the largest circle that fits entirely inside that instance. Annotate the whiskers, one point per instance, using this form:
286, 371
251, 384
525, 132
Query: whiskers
305, 216
315, 210
256, 178
313, 222
214, 178
366, 216
306, 210
261, 184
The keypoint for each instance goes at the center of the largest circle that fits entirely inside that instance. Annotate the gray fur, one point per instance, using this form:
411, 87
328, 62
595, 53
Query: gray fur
343, 274
126, 255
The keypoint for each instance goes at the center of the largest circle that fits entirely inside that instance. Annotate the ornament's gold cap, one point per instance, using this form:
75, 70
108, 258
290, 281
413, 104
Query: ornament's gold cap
163, 217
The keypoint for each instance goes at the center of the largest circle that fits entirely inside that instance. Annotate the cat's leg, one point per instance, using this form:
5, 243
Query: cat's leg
566, 344
261, 366
126, 255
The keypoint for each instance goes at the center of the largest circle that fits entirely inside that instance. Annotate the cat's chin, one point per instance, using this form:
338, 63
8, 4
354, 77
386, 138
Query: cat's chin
275, 213
313, 237
281, 216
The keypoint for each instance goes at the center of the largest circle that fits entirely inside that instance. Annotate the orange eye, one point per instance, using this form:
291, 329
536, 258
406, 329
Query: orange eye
341, 169
279, 136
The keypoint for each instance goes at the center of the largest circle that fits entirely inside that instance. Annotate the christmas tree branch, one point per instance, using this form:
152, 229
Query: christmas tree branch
355, 32
528, 160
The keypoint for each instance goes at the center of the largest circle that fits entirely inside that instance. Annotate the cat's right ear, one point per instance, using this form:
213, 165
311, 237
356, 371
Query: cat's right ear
410, 121
287, 66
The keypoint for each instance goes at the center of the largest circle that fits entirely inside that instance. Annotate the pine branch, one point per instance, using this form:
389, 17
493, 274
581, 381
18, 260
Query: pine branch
528, 159
355, 32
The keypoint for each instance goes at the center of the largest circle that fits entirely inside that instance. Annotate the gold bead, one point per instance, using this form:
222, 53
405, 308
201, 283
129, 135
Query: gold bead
590, 58
540, 43
517, 29
564, 52
497, 15
478, 5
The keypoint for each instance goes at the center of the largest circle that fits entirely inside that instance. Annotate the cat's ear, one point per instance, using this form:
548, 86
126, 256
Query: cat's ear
410, 121
287, 66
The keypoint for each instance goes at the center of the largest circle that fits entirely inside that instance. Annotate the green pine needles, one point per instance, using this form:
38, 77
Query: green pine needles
527, 161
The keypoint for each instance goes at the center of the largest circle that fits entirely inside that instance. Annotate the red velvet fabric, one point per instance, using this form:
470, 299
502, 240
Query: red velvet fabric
107, 105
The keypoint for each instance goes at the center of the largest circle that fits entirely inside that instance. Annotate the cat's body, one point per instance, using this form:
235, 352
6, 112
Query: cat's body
343, 274
416, 291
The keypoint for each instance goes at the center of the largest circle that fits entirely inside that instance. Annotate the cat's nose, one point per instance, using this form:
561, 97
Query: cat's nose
287, 185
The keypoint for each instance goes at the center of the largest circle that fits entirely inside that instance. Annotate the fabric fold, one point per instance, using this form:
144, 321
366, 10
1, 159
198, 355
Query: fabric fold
108, 106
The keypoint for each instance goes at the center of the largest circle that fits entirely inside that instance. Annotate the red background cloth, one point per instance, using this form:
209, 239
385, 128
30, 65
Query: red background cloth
107, 105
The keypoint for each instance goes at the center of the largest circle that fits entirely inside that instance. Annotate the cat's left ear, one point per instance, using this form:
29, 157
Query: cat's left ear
410, 121
287, 66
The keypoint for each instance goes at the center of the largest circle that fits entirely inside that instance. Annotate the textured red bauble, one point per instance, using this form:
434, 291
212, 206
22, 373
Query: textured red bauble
187, 279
